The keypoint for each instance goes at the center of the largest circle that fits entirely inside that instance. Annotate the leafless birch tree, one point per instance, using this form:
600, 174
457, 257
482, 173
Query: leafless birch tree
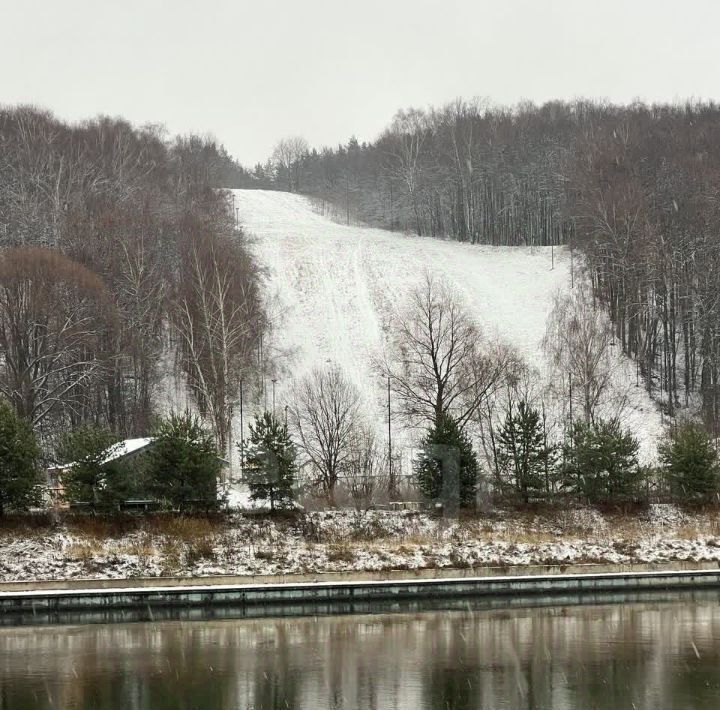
325, 416
218, 321
578, 343
408, 137
439, 363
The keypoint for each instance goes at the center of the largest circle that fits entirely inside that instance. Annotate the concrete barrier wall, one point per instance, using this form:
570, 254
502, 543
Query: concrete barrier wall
26, 606
364, 576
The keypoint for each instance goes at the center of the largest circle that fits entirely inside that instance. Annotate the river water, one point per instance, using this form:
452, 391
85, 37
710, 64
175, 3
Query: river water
655, 654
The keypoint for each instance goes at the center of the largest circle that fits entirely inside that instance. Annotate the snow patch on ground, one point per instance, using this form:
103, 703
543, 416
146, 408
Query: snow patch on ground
667, 515
347, 540
333, 289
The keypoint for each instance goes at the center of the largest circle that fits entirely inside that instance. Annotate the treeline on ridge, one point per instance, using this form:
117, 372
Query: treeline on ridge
119, 259
636, 188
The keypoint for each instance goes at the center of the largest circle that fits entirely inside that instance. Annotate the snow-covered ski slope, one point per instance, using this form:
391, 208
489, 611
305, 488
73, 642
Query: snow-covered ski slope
333, 289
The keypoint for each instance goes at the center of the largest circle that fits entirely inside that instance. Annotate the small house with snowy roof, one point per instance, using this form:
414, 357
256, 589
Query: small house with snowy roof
127, 450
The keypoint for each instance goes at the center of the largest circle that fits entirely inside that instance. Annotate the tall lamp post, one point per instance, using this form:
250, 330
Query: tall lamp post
242, 433
391, 478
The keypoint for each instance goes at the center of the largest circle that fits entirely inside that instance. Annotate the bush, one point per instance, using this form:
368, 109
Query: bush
93, 479
270, 461
690, 463
182, 466
601, 462
447, 468
20, 478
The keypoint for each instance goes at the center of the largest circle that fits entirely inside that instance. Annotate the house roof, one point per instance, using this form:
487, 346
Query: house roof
114, 452
127, 447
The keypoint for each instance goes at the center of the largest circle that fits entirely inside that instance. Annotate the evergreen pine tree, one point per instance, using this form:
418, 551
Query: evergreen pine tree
92, 479
601, 462
447, 467
270, 461
523, 456
183, 466
690, 463
20, 477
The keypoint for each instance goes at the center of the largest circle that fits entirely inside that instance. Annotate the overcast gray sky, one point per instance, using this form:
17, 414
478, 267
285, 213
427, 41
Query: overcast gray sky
253, 72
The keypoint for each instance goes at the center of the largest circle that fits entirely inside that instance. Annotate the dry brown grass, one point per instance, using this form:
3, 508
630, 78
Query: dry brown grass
527, 537
413, 539
340, 552
687, 532
104, 527
26, 525
170, 554
714, 526
109, 527
171, 538
199, 550
101, 527
84, 551
142, 547
184, 527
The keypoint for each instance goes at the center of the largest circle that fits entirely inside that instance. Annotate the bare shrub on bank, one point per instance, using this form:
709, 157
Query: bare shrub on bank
366, 470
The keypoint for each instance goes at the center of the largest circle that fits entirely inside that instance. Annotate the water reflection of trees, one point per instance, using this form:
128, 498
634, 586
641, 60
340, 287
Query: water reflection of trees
646, 656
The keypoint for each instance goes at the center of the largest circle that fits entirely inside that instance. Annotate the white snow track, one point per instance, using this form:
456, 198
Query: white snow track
333, 289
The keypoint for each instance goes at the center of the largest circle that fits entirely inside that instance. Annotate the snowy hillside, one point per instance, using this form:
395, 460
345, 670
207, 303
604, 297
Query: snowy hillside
333, 289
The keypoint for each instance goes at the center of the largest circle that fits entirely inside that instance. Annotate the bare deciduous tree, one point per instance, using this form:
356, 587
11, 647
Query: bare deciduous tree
53, 315
325, 416
439, 364
286, 157
218, 319
578, 344
118, 200
408, 135
365, 472
141, 288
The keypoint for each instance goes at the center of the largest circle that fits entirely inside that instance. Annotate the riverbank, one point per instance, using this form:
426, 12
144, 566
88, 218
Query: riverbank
71, 585
348, 541
202, 601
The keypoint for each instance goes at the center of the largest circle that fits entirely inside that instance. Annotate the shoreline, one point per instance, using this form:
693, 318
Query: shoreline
202, 600
369, 576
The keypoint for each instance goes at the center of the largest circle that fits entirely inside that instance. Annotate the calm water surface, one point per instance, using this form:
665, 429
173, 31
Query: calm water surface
658, 654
